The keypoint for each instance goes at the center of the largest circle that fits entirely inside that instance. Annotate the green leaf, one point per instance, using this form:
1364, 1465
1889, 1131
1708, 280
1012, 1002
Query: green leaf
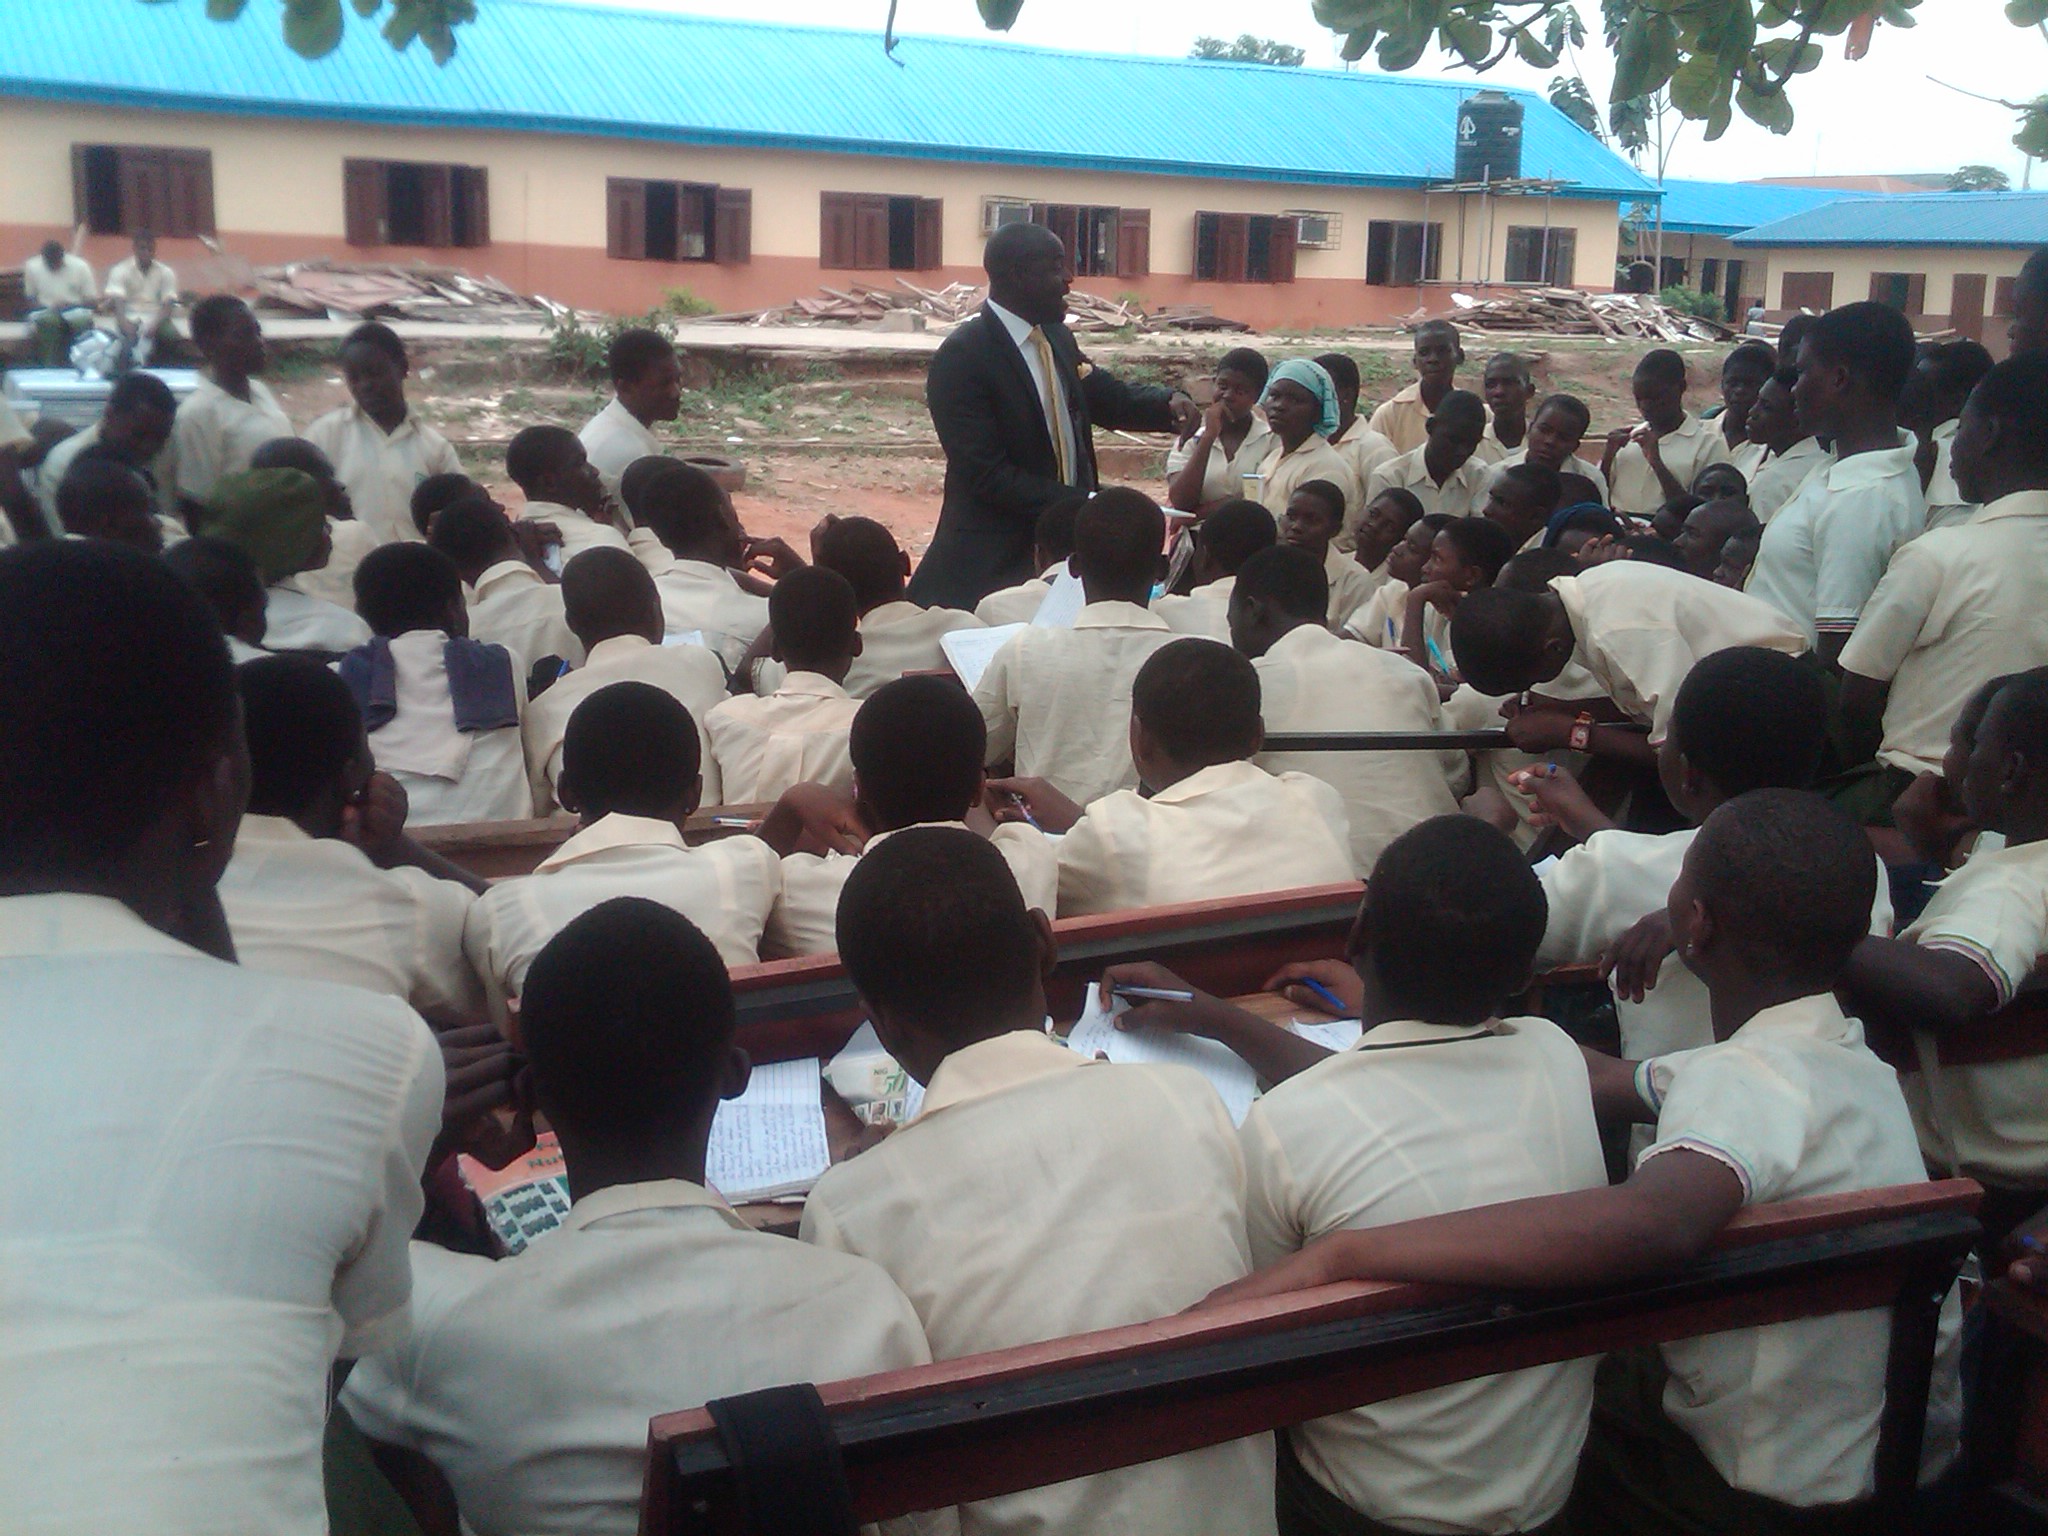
1359, 43
312, 28
1532, 52
1721, 113
2026, 13
225, 10
1696, 84
402, 28
1895, 13
1770, 109
1472, 41
367, 7
1775, 53
999, 15
1400, 50
1646, 58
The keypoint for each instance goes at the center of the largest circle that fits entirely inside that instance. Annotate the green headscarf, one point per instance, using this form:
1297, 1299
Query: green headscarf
274, 516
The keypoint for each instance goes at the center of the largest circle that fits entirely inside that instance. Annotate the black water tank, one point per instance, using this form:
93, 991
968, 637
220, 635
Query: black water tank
1489, 138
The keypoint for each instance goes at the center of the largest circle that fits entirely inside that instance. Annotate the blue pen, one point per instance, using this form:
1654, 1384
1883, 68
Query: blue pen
1330, 999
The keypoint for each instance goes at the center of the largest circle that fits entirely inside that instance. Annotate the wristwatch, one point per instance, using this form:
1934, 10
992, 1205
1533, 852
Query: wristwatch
1582, 734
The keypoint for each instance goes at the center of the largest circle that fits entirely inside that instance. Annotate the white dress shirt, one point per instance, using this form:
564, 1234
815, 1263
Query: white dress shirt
212, 1174
1781, 475
1634, 487
1018, 604
317, 907
295, 620
796, 735
1364, 451
726, 888
689, 674
1019, 330
1039, 1194
511, 605
449, 775
216, 434
1231, 829
382, 469
529, 1382
335, 582
1057, 702
1822, 556
613, 439
1946, 507
143, 295
58, 461
1351, 584
1204, 612
1310, 680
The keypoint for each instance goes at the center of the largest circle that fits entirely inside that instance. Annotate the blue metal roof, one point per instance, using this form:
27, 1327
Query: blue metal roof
1915, 218
1729, 207
538, 66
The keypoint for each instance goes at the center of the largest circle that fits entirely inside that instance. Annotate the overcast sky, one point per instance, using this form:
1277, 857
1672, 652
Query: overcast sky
1882, 113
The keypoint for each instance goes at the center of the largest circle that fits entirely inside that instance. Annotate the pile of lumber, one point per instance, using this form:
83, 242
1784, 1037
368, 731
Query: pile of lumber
387, 291
868, 304
1568, 312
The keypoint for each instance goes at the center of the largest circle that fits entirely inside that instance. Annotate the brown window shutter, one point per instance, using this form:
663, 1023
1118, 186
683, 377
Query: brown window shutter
870, 231
1064, 220
473, 187
145, 190
363, 201
1564, 253
732, 226
1233, 242
437, 187
1808, 290
1916, 294
1280, 251
1134, 242
931, 234
191, 193
1207, 241
835, 229
81, 198
625, 219
2002, 294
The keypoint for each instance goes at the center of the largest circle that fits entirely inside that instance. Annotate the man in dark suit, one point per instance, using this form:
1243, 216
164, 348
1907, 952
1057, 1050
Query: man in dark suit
1015, 408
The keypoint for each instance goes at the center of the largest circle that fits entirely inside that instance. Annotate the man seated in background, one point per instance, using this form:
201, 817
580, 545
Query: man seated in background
143, 294
797, 734
647, 387
61, 293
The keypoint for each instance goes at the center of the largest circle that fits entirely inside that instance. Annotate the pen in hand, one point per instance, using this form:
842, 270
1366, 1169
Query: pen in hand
1330, 1000
1152, 994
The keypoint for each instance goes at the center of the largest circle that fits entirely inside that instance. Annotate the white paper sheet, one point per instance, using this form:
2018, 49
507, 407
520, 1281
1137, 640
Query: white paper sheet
684, 637
1337, 1035
1063, 603
1096, 1033
969, 651
770, 1141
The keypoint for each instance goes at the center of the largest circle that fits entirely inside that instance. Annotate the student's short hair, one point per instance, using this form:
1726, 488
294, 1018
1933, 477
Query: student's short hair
93, 486
603, 586
1533, 570
1788, 873
104, 728
634, 351
400, 587
1588, 517
211, 316
1291, 579
1497, 635
1514, 360
1343, 371
1577, 490
1541, 481
1443, 328
867, 555
1757, 356
470, 532
1454, 915
1791, 335
1569, 405
220, 572
1435, 523
931, 924
1482, 542
917, 745
1649, 549
438, 491
1054, 532
627, 1016
1959, 366
1328, 492
1660, 365
2033, 277
1750, 718
538, 452
813, 613
1727, 474
2015, 394
306, 457
1409, 503
139, 391
1118, 534
683, 506
1239, 529
1248, 361
630, 747
303, 728
1199, 700
378, 337
1460, 405
640, 474
1873, 341
2022, 701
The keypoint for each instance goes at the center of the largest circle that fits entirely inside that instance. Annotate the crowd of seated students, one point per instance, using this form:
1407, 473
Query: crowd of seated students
1766, 702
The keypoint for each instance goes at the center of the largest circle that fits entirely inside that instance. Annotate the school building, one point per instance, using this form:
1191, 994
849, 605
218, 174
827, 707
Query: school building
1689, 235
602, 157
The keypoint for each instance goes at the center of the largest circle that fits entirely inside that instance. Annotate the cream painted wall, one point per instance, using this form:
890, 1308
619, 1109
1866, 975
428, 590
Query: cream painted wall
1853, 265
280, 176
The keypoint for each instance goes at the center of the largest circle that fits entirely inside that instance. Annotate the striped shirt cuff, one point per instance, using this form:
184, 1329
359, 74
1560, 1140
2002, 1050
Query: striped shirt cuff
1961, 944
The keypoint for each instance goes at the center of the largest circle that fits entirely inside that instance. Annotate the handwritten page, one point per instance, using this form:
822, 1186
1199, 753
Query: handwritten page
770, 1141
1096, 1034
969, 651
1063, 604
1336, 1035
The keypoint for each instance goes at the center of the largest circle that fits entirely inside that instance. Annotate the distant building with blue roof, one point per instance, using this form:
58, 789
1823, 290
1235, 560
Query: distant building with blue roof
603, 155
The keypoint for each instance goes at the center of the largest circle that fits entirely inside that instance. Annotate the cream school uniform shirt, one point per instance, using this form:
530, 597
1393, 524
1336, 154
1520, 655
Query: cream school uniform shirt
1040, 1194
727, 888
1781, 475
317, 907
1364, 450
805, 919
380, 469
1633, 486
1460, 495
296, 620
1204, 612
579, 530
1988, 1122
613, 439
449, 775
1418, 1120
529, 1382
1946, 507
1351, 584
212, 1174
689, 674
1957, 607
1314, 460
1640, 628
1231, 829
1404, 420
1572, 466
1823, 554
796, 735
1793, 1104
1310, 680
1018, 604
1057, 702
216, 435
511, 605
1223, 476
71, 286
697, 595
895, 638
143, 295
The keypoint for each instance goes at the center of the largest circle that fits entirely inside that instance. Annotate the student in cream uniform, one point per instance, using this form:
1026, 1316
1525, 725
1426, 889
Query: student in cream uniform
797, 734
563, 488
1052, 545
1215, 824
278, 518
324, 882
652, 1295
690, 538
917, 748
333, 581
1446, 473
647, 387
1310, 680
143, 294
1224, 540
231, 413
1301, 408
510, 603
1404, 420
1790, 451
379, 447
1132, 1206
629, 771
1362, 449
1556, 430
1313, 521
1207, 468
1656, 460
612, 607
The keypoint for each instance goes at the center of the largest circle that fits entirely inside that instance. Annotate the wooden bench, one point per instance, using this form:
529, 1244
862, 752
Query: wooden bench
998, 1423
498, 850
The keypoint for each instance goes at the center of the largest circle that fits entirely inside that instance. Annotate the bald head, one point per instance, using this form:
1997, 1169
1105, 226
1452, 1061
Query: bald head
607, 593
1027, 272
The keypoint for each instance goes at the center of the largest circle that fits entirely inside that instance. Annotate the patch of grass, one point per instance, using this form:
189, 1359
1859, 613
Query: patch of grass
682, 303
518, 402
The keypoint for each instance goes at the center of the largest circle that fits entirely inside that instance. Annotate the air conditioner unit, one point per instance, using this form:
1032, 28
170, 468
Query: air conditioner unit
998, 211
1316, 231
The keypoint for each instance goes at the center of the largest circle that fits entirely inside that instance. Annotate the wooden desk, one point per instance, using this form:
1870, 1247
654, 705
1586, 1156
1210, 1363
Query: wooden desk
498, 850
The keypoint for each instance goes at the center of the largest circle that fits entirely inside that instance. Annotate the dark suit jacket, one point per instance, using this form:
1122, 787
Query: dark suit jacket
1001, 466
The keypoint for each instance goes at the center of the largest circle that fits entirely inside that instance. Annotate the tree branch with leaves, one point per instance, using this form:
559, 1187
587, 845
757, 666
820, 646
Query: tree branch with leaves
314, 28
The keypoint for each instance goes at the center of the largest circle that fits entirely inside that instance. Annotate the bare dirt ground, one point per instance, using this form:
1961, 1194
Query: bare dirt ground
850, 435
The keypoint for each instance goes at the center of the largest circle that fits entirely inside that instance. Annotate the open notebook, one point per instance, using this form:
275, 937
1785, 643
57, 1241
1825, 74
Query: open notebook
969, 651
